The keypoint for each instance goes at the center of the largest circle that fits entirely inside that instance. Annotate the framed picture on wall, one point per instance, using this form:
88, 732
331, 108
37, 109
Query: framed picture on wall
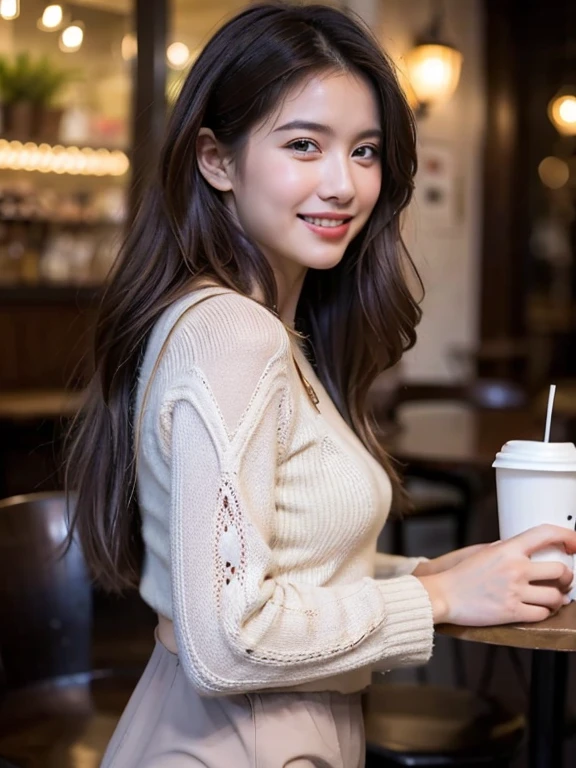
435, 186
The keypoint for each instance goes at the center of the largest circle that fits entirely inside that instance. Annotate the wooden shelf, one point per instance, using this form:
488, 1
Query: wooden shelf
46, 293
39, 404
62, 222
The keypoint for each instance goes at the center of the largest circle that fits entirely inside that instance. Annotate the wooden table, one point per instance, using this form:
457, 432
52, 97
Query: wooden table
38, 404
455, 437
460, 438
550, 640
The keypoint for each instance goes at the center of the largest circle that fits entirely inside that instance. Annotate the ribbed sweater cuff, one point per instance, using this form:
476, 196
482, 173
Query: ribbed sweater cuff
409, 624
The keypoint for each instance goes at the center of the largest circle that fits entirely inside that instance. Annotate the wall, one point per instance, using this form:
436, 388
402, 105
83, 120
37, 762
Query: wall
447, 256
5, 38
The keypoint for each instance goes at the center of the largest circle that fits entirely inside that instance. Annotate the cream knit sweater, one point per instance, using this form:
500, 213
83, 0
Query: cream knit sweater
260, 513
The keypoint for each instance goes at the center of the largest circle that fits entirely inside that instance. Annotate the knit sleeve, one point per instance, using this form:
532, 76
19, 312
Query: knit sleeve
242, 624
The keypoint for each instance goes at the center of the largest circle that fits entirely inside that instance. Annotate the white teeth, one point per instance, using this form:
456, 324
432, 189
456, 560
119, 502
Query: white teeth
324, 222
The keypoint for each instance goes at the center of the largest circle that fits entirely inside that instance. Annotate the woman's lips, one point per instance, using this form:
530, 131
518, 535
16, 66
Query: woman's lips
330, 232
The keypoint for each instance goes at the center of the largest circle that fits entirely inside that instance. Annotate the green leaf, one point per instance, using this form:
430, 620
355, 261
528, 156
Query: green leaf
36, 80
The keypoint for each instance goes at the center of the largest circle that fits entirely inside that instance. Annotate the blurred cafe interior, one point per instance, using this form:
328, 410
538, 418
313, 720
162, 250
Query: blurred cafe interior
85, 88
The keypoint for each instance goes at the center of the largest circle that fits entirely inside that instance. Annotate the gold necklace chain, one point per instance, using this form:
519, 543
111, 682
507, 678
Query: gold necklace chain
309, 388
314, 399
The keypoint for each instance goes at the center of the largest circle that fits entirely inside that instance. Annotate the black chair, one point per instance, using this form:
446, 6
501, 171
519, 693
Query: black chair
45, 601
525, 359
4, 763
442, 727
437, 493
55, 705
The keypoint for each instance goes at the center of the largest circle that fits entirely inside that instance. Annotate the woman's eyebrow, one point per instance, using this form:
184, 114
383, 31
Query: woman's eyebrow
306, 125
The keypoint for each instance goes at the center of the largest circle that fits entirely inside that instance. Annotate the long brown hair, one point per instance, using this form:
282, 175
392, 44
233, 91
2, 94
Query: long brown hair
359, 317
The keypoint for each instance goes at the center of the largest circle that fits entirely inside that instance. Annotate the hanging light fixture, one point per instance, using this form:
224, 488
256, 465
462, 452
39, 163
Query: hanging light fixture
178, 55
562, 106
433, 66
562, 111
129, 46
72, 37
9, 9
52, 18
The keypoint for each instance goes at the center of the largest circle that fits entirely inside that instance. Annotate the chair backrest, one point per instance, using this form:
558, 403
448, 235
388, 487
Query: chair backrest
45, 598
497, 394
489, 394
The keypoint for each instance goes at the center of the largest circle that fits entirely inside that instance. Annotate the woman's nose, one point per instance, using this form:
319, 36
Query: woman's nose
337, 182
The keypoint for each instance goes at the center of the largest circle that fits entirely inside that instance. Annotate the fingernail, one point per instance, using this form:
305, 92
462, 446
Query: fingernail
567, 600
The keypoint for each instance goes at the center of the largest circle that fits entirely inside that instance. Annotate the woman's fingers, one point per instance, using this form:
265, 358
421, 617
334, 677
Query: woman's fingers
533, 613
545, 536
549, 597
552, 571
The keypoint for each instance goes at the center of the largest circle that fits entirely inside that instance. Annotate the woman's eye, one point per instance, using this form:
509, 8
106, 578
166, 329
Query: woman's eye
366, 149
300, 145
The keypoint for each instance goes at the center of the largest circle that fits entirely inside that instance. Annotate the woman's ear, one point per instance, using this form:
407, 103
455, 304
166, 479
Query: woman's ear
213, 163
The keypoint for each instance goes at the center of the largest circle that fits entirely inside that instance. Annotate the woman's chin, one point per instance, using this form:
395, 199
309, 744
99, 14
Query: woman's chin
330, 258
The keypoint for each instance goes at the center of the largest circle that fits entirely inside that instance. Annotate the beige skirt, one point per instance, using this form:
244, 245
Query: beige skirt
167, 724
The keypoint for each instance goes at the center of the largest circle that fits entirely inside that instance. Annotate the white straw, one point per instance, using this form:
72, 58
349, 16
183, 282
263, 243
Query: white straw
549, 412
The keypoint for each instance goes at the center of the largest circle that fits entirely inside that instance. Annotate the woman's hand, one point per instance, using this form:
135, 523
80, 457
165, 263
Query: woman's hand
499, 584
447, 561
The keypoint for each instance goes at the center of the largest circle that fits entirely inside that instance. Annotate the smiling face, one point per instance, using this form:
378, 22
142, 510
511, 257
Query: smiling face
312, 165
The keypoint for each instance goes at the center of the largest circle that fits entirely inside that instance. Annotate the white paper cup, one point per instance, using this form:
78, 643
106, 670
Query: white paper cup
536, 484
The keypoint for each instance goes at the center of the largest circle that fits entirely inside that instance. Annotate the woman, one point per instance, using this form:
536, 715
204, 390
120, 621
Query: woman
223, 462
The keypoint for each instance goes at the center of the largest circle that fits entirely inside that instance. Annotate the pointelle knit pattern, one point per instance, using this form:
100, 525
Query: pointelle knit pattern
260, 512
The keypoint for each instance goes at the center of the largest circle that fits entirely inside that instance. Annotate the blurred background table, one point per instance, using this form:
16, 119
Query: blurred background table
550, 641
38, 404
446, 436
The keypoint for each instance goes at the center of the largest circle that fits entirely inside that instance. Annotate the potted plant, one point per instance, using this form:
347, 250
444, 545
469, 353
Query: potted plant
17, 82
2, 117
29, 88
48, 85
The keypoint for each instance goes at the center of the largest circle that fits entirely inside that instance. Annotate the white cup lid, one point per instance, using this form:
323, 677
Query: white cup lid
536, 455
